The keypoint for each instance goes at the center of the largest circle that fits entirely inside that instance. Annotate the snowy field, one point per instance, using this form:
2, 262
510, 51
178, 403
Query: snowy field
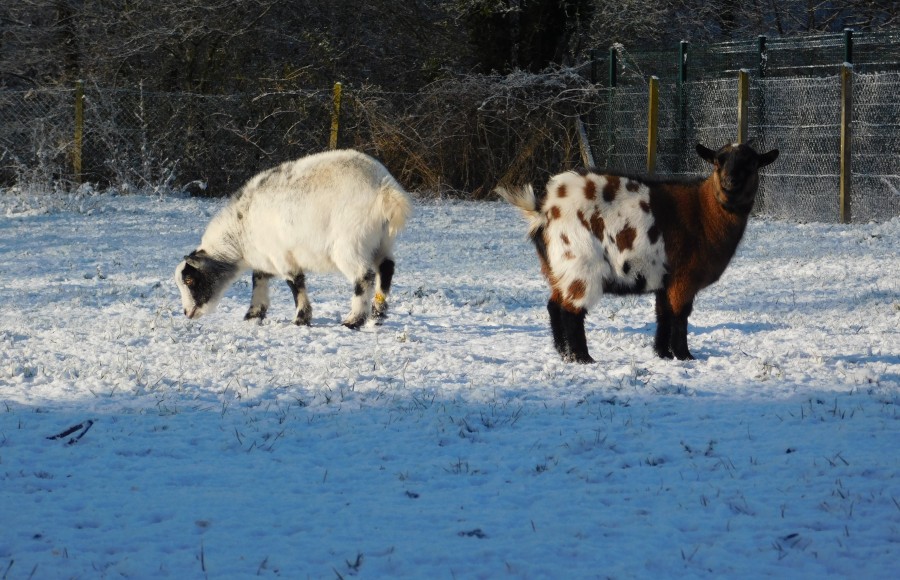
451, 442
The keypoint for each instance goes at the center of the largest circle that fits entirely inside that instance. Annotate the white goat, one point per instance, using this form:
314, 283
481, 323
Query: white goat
332, 211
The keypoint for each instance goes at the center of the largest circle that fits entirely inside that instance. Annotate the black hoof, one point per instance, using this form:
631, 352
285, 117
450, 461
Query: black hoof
579, 358
354, 324
256, 312
303, 318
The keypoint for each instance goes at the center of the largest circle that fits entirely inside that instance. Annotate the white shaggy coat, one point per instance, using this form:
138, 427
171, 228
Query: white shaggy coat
332, 211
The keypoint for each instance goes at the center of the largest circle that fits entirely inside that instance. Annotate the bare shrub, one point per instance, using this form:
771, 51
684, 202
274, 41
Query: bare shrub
465, 134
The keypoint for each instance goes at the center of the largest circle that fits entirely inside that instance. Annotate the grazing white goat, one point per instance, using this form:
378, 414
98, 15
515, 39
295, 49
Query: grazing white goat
332, 211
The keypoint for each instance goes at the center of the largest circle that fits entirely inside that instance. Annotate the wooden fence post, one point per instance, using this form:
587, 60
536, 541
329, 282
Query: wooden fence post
681, 167
584, 144
743, 105
652, 124
846, 120
335, 115
611, 117
79, 130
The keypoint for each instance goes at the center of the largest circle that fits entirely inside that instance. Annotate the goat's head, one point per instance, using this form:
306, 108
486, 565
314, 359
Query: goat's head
201, 280
736, 173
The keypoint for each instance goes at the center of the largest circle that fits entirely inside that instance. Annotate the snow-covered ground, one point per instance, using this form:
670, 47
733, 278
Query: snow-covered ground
451, 441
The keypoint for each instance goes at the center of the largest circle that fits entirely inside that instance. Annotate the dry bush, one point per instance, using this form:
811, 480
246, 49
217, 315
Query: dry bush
464, 135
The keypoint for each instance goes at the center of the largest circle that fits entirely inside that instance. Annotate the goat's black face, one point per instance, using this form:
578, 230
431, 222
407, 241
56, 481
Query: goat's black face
202, 280
197, 284
736, 173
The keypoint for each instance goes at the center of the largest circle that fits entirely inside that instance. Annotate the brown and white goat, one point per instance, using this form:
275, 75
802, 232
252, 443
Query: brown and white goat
599, 233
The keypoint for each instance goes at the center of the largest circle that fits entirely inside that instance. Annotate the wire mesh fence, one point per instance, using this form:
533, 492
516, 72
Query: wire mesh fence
36, 131
801, 116
135, 139
467, 134
876, 146
153, 139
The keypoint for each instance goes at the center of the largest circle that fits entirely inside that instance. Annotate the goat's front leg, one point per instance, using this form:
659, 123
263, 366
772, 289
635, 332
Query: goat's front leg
361, 303
679, 333
303, 309
259, 300
673, 307
662, 343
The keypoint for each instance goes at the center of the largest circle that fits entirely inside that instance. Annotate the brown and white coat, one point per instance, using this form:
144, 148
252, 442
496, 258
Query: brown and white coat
598, 233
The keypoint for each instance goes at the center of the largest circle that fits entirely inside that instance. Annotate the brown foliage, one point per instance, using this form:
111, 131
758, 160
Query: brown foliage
464, 135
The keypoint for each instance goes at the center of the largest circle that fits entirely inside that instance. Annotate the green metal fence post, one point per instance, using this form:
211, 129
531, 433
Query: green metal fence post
848, 45
610, 109
652, 124
762, 51
743, 105
761, 112
682, 103
79, 130
612, 67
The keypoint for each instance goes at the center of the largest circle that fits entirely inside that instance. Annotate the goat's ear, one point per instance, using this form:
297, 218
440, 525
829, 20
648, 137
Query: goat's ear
193, 259
706, 154
767, 158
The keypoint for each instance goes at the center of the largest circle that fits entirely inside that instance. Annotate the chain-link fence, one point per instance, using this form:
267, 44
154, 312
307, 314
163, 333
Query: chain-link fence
135, 139
795, 105
36, 132
150, 139
801, 116
466, 134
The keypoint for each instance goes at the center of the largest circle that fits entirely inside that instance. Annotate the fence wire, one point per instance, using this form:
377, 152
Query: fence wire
36, 131
153, 139
810, 55
799, 116
135, 139
467, 134
876, 146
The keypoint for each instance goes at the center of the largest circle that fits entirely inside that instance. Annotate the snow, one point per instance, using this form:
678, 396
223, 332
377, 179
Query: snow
450, 441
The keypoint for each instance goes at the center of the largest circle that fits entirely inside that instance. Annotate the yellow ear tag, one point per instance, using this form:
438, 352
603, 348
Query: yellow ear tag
380, 298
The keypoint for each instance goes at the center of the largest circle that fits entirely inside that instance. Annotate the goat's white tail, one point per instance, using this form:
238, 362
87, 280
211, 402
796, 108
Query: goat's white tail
395, 204
524, 199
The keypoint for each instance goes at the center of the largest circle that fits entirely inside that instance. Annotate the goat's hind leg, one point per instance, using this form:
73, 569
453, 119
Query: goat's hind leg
259, 300
575, 338
361, 303
303, 309
556, 327
383, 282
